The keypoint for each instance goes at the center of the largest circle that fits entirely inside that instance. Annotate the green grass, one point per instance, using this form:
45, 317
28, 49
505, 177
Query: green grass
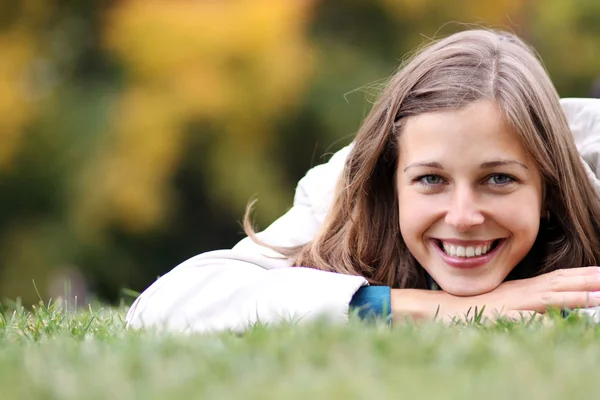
48, 353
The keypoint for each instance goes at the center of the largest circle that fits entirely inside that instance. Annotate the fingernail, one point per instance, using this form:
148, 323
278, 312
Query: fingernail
595, 295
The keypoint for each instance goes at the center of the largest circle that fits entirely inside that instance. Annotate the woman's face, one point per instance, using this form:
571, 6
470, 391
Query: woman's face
470, 199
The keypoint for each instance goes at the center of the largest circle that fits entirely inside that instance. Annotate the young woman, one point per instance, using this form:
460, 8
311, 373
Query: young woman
464, 187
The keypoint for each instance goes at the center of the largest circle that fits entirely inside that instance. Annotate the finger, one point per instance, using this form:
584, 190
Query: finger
579, 271
580, 283
565, 300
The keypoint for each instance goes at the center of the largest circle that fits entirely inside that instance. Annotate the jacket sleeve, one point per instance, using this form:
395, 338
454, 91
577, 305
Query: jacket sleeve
583, 116
233, 289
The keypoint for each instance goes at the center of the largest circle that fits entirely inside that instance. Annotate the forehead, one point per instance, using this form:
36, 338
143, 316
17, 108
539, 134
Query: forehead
475, 132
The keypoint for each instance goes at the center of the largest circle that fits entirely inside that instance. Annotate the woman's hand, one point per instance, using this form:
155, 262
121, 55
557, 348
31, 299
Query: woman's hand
564, 288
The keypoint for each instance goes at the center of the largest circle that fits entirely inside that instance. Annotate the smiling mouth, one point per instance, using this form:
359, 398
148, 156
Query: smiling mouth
470, 251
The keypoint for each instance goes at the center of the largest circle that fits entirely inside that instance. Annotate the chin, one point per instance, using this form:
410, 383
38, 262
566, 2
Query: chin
467, 289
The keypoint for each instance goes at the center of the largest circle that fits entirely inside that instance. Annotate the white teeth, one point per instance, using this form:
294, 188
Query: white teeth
449, 249
466, 252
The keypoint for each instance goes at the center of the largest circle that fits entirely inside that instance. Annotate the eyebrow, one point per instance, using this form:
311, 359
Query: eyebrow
430, 164
485, 165
498, 163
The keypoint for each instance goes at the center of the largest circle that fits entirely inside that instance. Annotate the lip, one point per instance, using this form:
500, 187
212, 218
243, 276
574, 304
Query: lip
463, 262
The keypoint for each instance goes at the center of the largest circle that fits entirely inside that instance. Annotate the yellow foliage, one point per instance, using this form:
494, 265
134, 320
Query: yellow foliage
16, 53
236, 63
19, 46
209, 54
126, 181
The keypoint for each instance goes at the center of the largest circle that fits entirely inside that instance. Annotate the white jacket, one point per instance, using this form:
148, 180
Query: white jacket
233, 289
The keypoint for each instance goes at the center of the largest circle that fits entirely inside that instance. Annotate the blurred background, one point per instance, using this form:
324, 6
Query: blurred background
134, 132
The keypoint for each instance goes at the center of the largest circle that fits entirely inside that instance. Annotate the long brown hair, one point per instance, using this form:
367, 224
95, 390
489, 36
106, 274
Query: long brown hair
361, 234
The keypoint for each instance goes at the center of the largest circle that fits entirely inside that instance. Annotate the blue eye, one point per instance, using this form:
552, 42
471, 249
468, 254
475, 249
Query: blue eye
431, 180
500, 179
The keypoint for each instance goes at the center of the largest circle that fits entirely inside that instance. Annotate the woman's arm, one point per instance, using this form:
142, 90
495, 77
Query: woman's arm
221, 293
573, 288
233, 289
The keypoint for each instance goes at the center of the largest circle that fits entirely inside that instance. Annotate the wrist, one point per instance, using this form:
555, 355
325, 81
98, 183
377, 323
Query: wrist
418, 304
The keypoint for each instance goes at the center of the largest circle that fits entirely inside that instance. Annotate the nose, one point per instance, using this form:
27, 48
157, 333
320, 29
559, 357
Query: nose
464, 211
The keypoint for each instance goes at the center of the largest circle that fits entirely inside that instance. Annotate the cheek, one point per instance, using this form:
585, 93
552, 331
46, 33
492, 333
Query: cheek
524, 224
416, 215
521, 217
